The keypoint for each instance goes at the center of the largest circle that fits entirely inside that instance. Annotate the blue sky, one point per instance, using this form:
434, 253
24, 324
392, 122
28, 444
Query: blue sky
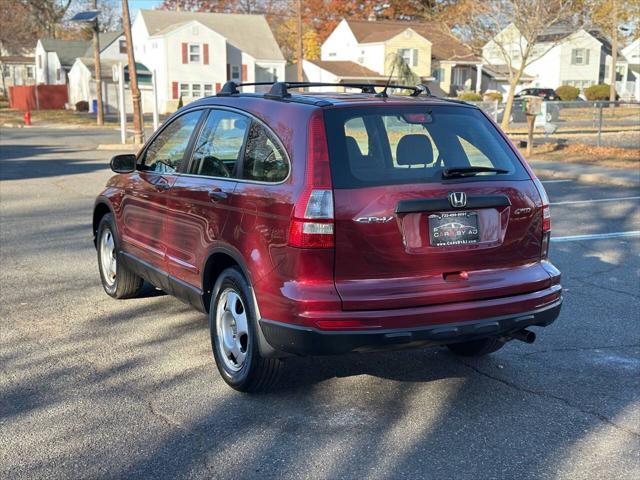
135, 5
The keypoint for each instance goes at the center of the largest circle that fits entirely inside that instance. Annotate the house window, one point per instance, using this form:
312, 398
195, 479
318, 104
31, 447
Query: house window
122, 44
194, 53
184, 90
208, 89
235, 72
409, 55
196, 90
579, 56
438, 74
30, 73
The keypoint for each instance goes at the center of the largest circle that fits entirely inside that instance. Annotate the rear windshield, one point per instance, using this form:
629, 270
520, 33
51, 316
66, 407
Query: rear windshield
393, 145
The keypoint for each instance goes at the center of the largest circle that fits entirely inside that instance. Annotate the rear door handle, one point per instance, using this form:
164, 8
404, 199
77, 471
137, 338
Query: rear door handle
216, 195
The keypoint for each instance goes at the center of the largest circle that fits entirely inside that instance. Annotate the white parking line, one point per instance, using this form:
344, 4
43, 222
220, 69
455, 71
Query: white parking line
556, 181
596, 236
596, 200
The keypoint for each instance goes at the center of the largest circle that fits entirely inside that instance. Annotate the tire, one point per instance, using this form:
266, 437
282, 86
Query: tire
117, 280
233, 326
476, 348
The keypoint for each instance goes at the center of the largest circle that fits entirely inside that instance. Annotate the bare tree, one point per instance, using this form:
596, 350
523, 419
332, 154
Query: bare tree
517, 33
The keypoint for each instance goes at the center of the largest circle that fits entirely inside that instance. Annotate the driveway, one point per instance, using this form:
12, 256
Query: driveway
92, 387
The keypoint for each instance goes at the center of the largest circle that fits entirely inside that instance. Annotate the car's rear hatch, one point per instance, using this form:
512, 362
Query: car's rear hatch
404, 235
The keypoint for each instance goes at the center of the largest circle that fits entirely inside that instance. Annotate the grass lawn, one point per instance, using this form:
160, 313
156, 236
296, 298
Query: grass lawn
67, 117
580, 153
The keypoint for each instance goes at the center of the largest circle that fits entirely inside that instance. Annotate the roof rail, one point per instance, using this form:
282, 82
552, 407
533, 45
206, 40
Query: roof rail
280, 90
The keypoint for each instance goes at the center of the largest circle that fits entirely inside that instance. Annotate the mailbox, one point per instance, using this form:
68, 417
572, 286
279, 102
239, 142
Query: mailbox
532, 105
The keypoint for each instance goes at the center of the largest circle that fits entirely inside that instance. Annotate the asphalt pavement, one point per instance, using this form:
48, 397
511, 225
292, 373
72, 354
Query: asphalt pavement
91, 387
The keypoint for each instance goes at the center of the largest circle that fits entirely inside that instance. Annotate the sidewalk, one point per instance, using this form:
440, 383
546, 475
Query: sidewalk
586, 173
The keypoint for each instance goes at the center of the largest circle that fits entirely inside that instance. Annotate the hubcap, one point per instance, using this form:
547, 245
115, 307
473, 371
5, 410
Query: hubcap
232, 329
108, 257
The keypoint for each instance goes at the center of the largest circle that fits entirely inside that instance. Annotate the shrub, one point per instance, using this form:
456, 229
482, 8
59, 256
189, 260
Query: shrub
493, 97
568, 93
470, 97
82, 106
597, 92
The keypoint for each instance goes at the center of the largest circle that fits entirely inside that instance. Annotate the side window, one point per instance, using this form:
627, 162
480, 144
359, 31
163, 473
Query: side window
167, 150
219, 145
264, 160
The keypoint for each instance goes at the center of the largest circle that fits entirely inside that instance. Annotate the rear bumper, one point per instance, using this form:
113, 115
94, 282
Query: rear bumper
302, 340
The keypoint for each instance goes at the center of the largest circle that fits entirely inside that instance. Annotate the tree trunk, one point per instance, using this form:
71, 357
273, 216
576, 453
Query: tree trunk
509, 104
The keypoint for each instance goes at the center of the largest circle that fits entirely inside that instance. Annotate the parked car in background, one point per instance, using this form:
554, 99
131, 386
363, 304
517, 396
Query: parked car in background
545, 93
518, 114
308, 224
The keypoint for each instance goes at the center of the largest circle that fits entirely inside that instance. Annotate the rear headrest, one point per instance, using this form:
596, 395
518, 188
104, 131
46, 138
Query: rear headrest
414, 149
353, 149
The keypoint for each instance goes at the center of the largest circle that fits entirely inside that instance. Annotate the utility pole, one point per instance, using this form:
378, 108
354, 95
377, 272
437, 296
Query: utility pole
614, 50
97, 69
299, 42
138, 127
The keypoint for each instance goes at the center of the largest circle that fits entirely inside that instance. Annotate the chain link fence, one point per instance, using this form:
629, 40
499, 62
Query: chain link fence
600, 123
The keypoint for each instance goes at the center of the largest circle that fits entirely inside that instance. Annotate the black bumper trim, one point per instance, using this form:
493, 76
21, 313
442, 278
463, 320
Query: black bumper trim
300, 340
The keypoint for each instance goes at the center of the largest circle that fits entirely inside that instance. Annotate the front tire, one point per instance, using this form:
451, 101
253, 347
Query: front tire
476, 348
117, 280
233, 327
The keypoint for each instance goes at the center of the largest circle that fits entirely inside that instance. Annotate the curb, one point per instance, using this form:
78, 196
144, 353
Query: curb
592, 178
119, 147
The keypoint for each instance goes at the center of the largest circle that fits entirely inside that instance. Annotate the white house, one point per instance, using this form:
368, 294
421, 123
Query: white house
429, 49
55, 58
113, 50
562, 56
632, 54
194, 53
16, 70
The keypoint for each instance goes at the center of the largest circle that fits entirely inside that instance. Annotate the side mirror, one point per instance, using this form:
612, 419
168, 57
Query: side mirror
123, 163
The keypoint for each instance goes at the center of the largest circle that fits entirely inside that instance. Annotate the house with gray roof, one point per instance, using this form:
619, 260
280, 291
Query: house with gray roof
194, 53
55, 58
563, 55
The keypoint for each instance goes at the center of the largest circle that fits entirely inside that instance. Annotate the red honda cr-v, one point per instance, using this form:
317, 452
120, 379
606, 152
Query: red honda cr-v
325, 223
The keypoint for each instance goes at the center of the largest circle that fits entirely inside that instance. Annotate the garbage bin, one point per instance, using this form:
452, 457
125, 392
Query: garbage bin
94, 105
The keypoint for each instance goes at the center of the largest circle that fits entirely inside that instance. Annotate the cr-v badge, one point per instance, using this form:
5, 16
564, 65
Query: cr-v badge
374, 219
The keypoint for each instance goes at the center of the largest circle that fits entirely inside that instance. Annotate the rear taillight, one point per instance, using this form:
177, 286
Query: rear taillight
312, 221
546, 218
546, 230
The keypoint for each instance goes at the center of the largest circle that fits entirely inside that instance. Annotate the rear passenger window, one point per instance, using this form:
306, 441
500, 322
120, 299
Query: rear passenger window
219, 144
264, 160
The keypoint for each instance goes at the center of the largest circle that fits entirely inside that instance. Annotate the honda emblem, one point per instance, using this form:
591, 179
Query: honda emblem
458, 199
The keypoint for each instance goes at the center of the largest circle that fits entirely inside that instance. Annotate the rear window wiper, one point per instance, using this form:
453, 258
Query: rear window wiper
469, 171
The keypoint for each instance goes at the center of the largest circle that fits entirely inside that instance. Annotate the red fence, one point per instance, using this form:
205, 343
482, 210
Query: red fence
47, 97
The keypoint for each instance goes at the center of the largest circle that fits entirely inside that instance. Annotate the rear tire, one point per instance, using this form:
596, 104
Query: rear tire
476, 348
233, 325
117, 280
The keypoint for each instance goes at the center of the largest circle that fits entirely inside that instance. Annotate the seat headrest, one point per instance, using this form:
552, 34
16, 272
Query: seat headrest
414, 149
353, 149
